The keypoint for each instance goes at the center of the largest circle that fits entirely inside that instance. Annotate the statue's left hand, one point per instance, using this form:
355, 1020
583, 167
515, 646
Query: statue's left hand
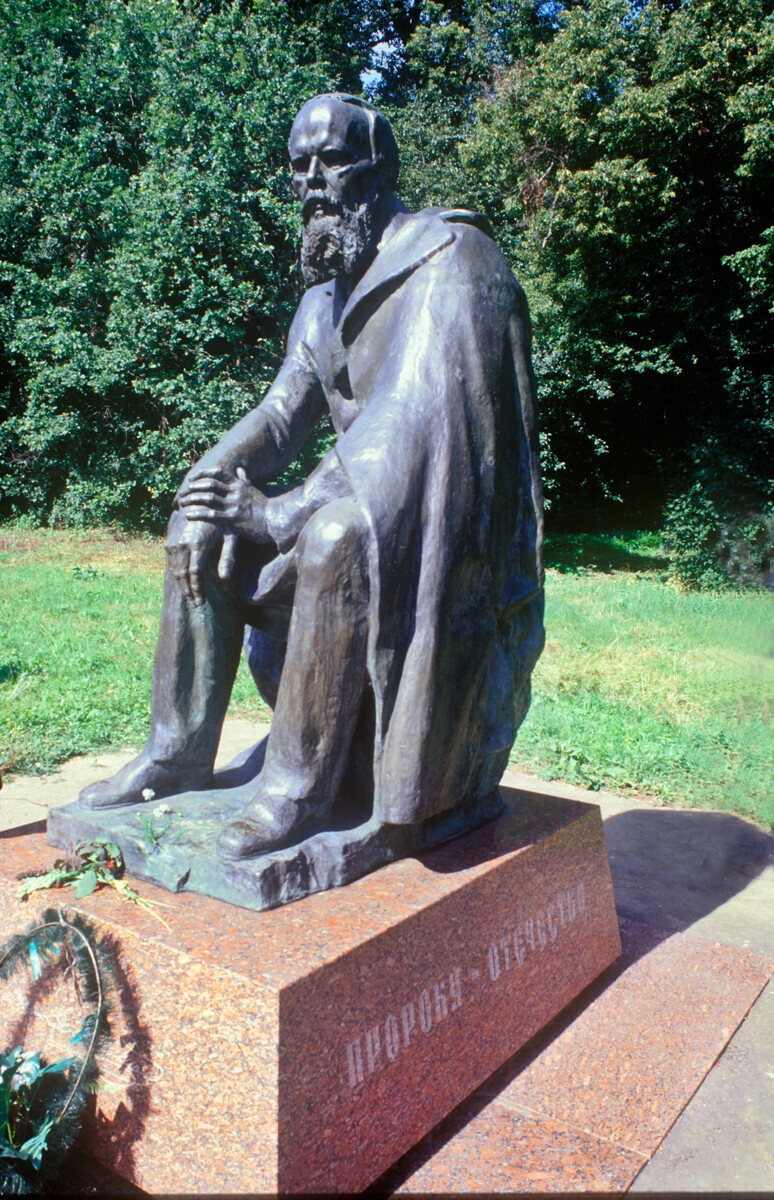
225, 500
190, 548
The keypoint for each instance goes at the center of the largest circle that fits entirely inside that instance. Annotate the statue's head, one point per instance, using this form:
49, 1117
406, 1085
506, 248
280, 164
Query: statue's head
344, 164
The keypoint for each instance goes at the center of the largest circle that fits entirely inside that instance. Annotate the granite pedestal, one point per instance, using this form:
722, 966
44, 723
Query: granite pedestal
307, 1048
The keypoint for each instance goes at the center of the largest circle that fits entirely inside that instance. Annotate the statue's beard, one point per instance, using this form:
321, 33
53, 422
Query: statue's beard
336, 240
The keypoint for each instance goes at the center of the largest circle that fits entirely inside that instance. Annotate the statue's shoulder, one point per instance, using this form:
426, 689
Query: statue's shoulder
313, 317
472, 250
470, 238
459, 216
420, 236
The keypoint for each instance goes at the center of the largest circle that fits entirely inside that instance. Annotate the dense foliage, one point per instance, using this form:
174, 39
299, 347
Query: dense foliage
622, 151
627, 165
147, 242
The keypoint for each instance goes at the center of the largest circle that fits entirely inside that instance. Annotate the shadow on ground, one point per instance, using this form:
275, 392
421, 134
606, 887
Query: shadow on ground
673, 867
572, 552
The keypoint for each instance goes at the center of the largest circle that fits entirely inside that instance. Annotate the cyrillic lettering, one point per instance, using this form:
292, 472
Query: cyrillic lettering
391, 1038
354, 1063
425, 1012
373, 1048
455, 987
409, 1020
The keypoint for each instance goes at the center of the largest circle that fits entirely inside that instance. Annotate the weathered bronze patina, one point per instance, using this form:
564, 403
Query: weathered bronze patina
391, 606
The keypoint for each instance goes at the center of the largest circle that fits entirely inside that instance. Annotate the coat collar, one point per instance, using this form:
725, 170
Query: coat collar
416, 240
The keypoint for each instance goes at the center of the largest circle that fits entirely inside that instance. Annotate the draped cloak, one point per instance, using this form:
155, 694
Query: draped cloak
427, 375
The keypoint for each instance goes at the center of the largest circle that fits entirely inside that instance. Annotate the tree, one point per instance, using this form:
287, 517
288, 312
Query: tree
626, 166
440, 57
147, 242
622, 152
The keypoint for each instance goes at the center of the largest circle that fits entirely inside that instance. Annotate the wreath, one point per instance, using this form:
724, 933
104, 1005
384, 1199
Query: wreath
42, 1104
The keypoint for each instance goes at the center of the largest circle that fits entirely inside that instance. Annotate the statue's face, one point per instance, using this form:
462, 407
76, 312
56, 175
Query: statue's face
330, 155
336, 181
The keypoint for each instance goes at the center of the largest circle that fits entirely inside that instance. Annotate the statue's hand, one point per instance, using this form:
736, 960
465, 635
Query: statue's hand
224, 500
189, 545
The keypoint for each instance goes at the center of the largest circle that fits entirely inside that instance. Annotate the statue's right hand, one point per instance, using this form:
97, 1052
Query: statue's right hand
189, 546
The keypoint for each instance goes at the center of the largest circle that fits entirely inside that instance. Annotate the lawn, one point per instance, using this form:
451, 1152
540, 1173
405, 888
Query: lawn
78, 622
641, 689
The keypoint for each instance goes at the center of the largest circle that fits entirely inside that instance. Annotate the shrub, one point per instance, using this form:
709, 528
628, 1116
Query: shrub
715, 542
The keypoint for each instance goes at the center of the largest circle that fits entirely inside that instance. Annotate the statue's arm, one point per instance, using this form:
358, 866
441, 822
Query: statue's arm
234, 505
218, 495
267, 440
287, 515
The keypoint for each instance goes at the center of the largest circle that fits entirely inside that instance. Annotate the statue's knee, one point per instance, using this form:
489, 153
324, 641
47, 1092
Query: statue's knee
333, 536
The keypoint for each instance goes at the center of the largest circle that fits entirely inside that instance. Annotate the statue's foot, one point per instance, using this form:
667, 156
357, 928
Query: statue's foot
269, 823
144, 775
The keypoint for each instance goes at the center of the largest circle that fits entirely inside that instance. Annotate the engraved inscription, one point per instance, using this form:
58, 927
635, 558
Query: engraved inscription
378, 1046
383, 1043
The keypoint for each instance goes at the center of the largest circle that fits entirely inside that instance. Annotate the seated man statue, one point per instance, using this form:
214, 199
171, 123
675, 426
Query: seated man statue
390, 606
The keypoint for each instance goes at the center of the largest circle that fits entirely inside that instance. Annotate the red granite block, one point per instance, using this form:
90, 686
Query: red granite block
507, 1150
309, 1047
190, 1069
630, 1061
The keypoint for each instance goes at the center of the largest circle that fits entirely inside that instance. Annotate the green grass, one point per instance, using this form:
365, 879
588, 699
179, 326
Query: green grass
642, 689
578, 553
78, 622
650, 691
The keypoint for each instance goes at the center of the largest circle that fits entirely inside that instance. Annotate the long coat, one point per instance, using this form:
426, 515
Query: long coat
427, 375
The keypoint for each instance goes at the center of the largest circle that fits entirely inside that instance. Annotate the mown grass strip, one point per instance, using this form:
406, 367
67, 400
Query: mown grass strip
648, 690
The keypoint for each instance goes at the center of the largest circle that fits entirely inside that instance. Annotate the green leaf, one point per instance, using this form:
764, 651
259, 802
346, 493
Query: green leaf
35, 961
28, 1069
33, 1148
113, 850
11, 1059
86, 884
38, 883
60, 1066
9, 1064
9, 1151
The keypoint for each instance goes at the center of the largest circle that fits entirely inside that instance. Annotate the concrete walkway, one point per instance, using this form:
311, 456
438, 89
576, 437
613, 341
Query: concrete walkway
708, 873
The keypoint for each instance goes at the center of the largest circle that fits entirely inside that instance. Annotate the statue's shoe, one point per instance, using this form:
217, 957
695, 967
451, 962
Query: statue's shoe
270, 824
143, 775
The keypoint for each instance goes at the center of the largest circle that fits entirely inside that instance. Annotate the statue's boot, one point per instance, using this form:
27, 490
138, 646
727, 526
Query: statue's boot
270, 823
144, 775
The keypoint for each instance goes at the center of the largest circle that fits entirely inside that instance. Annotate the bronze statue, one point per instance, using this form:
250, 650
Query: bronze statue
391, 606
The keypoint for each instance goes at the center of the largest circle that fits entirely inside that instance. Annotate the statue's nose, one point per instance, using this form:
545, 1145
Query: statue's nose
314, 175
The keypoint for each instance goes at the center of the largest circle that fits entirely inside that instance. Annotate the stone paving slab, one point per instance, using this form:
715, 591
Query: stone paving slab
677, 868
511, 1150
724, 1141
629, 1064
28, 798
